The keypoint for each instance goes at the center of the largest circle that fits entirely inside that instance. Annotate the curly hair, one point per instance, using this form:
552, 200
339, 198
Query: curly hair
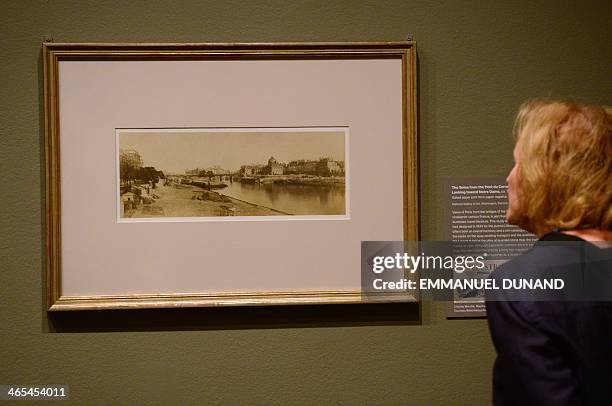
566, 165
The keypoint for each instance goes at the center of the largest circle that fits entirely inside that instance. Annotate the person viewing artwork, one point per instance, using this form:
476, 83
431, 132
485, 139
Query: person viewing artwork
557, 352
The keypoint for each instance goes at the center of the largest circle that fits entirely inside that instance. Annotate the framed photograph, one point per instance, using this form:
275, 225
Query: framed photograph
183, 175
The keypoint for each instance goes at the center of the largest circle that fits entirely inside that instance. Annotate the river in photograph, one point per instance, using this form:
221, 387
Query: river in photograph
291, 199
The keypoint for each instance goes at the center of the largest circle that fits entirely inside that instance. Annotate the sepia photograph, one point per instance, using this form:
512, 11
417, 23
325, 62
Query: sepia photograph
213, 174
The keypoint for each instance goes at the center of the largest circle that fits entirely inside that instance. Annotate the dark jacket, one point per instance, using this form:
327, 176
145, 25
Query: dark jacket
552, 352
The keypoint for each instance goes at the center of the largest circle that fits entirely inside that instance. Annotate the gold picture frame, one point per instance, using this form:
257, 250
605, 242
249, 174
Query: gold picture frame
91, 89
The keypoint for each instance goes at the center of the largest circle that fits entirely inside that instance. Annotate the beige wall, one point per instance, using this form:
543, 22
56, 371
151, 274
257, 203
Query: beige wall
478, 61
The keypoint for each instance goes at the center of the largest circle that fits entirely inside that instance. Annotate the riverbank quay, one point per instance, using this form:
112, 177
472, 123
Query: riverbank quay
302, 180
175, 200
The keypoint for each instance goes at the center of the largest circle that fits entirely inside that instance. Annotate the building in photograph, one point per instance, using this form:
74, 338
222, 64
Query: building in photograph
273, 167
302, 167
217, 170
329, 167
250, 170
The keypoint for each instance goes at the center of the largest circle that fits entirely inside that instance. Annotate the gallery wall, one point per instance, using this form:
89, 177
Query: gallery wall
477, 62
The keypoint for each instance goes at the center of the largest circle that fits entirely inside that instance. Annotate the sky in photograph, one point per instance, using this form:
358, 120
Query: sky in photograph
175, 151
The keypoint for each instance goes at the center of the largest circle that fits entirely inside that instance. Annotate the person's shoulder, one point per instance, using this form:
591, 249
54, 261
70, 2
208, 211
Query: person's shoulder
540, 259
517, 266
538, 263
